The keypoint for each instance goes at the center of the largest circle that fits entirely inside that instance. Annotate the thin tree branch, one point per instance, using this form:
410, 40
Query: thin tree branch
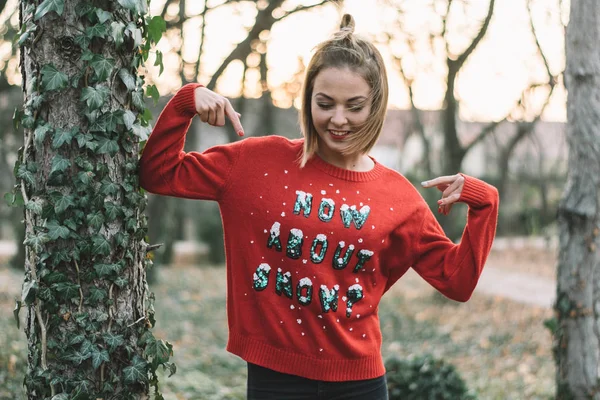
551, 83
484, 27
202, 37
264, 20
551, 77
445, 26
304, 8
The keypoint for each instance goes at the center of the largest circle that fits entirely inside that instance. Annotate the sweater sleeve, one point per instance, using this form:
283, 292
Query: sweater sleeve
455, 269
166, 169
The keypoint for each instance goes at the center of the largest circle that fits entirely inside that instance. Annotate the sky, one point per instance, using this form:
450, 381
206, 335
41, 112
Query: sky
489, 85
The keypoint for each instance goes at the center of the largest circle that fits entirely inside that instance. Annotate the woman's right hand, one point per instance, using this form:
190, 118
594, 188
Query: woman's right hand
212, 109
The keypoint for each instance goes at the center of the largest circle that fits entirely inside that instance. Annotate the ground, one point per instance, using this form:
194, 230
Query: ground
500, 346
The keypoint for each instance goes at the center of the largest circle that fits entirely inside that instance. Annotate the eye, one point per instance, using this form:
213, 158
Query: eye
324, 106
356, 108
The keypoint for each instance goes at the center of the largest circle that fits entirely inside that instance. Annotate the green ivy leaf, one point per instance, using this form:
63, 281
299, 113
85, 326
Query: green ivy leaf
137, 98
62, 202
76, 339
112, 210
60, 396
62, 136
107, 146
25, 175
84, 43
86, 348
36, 242
121, 282
24, 33
102, 67
102, 15
98, 357
59, 164
55, 277
29, 291
53, 79
122, 239
137, 371
83, 139
94, 97
100, 246
171, 367
113, 341
35, 205
95, 220
98, 30
158, 62
40, 133
77, 357
49, 5
152, 91
55, 230
156, 26
96, 295
141, 131
127, 79
85, 177
128, 119
159, 351
67, 290
116, 31
106, 269
138, 6
109, 188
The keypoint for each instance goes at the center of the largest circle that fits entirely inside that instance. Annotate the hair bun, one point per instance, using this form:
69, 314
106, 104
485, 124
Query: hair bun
347, 23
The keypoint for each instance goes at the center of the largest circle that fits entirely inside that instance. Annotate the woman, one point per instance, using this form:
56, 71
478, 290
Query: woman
316, 231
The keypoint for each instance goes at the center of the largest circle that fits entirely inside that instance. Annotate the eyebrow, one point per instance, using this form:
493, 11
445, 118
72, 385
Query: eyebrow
349, 100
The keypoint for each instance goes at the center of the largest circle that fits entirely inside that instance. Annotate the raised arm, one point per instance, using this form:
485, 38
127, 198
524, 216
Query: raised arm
455, 269
166, 169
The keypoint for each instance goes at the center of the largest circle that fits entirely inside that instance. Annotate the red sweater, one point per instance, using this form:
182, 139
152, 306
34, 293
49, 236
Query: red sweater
310, 251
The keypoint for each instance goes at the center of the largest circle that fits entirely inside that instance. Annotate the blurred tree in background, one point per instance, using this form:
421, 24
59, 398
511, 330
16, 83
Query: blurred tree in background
576, 339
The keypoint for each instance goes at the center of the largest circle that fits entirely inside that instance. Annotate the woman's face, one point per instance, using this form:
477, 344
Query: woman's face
340, 104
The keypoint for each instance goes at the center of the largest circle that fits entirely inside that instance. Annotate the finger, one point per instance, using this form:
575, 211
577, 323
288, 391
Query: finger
212, 117
441, 188
203, 116
451, 188
220, 120
233, 117
439, 180
453, 198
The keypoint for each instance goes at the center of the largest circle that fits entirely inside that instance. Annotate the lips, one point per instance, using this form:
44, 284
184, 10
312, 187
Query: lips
338, 135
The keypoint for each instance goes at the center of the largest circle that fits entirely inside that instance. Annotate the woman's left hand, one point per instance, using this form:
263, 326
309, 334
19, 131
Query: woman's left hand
451, 188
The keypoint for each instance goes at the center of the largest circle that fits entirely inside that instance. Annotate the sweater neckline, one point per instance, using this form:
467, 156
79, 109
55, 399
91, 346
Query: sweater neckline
346, 174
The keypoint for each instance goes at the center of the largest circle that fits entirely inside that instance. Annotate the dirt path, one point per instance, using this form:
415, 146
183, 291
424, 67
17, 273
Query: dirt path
521, 287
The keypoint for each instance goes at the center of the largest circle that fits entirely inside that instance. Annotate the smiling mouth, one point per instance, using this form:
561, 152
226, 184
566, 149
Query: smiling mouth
339, 133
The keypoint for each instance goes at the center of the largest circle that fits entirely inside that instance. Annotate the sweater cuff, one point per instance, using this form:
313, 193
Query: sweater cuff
184, 100
477, 193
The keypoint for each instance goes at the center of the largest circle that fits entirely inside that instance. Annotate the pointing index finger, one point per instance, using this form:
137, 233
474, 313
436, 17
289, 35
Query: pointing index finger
439, 181
233, 117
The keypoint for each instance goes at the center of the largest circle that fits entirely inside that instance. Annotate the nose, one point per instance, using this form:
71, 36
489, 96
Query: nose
339, 117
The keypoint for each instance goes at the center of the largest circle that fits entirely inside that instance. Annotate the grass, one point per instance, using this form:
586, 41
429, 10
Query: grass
500, 347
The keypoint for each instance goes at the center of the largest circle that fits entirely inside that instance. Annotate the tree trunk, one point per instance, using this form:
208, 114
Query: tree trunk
577, 337
88, 310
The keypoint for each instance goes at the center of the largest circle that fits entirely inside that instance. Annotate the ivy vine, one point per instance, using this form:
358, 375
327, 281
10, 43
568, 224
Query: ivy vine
86, 229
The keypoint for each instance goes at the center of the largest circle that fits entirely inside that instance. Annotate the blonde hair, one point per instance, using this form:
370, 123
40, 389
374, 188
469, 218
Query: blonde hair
346, 50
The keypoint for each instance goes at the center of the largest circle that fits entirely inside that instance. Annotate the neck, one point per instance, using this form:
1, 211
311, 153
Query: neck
358, 162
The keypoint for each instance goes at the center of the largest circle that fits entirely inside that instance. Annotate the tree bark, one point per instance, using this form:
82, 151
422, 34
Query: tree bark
577, 337
85, 287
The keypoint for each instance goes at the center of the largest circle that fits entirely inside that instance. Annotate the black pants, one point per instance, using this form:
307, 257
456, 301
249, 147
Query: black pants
266, 384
